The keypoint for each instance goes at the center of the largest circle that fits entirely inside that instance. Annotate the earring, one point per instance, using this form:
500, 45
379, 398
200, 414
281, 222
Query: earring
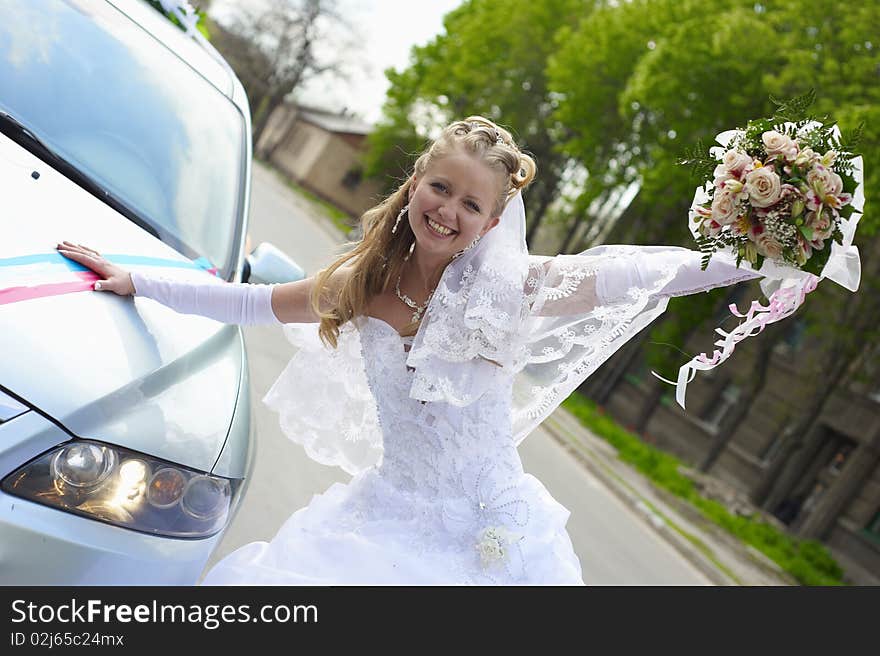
465, 250
403, 211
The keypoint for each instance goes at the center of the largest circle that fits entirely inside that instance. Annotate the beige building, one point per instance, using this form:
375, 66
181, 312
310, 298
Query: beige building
823, 485
321, 151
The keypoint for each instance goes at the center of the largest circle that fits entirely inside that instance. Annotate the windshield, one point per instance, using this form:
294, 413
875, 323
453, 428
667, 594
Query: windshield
118, 105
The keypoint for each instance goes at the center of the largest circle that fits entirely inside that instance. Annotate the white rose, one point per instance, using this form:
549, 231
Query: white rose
767, 246
725, 207
736, 162
490, 545
779, 144
492, 542
805, 157
764, 186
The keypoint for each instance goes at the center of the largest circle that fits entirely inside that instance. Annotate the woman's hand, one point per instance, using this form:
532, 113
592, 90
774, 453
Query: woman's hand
113, 278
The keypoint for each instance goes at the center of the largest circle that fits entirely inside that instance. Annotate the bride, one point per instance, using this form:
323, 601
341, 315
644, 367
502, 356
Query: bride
425, 355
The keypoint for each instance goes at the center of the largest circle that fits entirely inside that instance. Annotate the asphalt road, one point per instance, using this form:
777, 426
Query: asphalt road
615, 546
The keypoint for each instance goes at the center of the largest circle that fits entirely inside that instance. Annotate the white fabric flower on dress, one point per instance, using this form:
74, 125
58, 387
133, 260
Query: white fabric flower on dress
492, 544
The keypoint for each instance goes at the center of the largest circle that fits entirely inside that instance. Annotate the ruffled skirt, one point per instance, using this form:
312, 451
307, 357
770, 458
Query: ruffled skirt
368, 532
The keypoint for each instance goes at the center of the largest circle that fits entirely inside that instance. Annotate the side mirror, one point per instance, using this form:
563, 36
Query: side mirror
268, 264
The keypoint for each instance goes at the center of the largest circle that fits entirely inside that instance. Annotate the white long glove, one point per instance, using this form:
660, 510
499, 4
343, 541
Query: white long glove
238, 303
616, 276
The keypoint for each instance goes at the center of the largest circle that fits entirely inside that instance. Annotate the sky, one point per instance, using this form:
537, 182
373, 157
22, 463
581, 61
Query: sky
389, 28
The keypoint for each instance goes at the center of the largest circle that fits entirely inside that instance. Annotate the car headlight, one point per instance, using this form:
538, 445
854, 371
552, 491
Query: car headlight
121, 487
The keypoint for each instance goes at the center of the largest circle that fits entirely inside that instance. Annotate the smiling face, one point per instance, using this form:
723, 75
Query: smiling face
452, 203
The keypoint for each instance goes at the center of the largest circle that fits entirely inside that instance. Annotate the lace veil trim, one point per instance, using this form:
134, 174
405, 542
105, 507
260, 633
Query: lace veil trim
324, 402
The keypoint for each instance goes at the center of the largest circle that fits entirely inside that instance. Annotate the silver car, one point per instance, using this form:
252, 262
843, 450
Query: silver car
126, 434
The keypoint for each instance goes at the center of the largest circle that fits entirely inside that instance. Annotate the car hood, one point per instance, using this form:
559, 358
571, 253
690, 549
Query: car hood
124, 370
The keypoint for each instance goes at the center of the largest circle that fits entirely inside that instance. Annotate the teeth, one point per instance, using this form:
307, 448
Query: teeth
439, 228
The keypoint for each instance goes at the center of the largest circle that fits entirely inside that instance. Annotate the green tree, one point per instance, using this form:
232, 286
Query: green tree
638, 81
491, 61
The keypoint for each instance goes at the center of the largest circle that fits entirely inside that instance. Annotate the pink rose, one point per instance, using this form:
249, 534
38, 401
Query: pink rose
725, 207
736, 162
780, 145
763, 186
768, 246
765, 243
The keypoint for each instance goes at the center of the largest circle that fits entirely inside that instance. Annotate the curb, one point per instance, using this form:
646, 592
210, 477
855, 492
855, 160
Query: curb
661, 524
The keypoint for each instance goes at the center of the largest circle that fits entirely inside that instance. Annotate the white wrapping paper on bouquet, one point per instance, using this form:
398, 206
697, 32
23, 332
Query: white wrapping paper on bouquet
785, 286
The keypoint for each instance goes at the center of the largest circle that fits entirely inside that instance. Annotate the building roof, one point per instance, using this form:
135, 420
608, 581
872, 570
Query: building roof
334, 121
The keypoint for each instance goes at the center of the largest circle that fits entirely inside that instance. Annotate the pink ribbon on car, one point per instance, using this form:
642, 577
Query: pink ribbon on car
85, 278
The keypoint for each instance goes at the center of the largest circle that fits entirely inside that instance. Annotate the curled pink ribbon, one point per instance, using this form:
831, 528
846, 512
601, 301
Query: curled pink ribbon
781, 304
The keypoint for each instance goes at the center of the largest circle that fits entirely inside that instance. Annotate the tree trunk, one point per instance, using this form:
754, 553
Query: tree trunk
285, 133
622, 228
261, 120
858, 316
569, 237
544, 201
783, 472
649, 406
601, 198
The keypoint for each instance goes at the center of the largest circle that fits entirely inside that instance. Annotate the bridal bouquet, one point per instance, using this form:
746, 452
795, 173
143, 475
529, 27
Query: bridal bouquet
779, 191
784, 200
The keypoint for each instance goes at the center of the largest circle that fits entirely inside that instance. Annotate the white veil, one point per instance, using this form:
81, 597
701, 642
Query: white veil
498, 313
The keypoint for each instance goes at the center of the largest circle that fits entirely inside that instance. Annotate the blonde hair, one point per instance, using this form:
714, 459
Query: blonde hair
376, 260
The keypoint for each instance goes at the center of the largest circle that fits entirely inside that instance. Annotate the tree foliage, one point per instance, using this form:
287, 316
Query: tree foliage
640, 83
490, 60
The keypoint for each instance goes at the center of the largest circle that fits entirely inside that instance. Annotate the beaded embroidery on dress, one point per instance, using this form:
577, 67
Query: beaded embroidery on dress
447, 502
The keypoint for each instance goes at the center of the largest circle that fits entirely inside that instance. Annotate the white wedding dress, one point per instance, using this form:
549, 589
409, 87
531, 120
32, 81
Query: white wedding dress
447, 474
438, 494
